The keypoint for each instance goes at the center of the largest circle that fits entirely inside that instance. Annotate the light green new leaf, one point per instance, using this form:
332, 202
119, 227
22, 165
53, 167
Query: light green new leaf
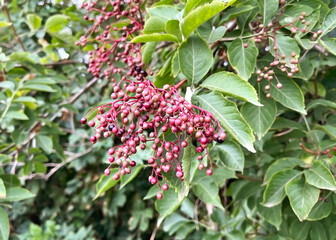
229, 117
4, 24
38, 87
15, 194
4, 225
16, 115
106, 182
192, 4
167, 205
207, 191
290, 95
195, 59
302, 197
272, 215
173, 27
129, 177
155, 37
164, 12
153, 25
7, 85
268, 8
2, 189
243, 59
230, 154
202, 14
147, 51
33, 21
275, 190
260, 118
25, 99
44, 142
329, 22
232, 85
320, 176
329, 44
56, 23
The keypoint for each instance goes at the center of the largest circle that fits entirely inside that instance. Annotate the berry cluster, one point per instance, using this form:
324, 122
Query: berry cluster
286, 64
328, 152
140, 114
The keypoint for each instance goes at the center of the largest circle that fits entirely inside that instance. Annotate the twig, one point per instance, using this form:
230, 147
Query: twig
18, 39
248, 178
154, 232
308, 150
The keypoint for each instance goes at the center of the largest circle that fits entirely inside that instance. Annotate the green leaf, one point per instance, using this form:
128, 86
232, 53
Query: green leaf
167, 205
164, 12
4, 158
232, 85
302, 197
175, 65
320, 102
33, 21
16, 115
281, 164
155, 37
192, 4
299, 230
45, 142
275, 189
329, 44
230, 154
2, 189
38, 87
173, 27
4, 225
228, 116
148, 51
189, 163
7, 85
154, 25
207, 191
329, 22
234, 12
318, 231
242, 59
320, 176
320, 210
106, 182
286, 45
15, 194
129, 177
152, 192
56, 23
259, 118
330, 130
25, 99
210, 33
202, 14
4, 24
195, 59
272, 215
268, 8
290, 95
19, 136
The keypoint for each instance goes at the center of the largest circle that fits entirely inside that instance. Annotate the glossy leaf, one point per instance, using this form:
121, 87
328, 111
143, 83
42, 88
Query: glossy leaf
302, 197
192, 4
320, 176
329, 22
229, 117
281, 164
129, 177
321, 209
260, 118
202, 14
230, 154
106, 182
232, 85
268, 8
195, 59
207, 191
243, 59
154, 25
290, 95
155, 37
33, 21
275, 190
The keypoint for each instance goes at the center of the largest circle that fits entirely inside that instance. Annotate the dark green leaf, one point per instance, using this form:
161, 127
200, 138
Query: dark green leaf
268, 8
272, 215
129, 177
320, 176
106, 182
329, 22
4, 225
207, 191
230, 154
167, 205
45, 142
299, 230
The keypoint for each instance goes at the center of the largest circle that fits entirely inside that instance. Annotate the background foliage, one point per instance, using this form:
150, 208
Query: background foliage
273, 178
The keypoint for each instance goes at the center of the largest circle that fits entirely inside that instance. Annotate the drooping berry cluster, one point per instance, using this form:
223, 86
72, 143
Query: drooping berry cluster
140, 114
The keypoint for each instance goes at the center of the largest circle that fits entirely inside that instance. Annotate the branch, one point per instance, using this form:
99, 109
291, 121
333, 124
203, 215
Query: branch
238, 175
18, 39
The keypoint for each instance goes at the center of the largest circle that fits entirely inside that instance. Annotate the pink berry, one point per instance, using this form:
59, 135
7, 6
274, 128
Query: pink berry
209, 172
107, 171
159, 196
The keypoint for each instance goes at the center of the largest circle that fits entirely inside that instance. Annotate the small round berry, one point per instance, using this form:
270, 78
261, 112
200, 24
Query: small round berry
179, 174
107, 171
92, 123
159, 196
222, 135
329, 156
200, 166
83, 120
279, 85
165, 187
116, 176
209, 172
184, 144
